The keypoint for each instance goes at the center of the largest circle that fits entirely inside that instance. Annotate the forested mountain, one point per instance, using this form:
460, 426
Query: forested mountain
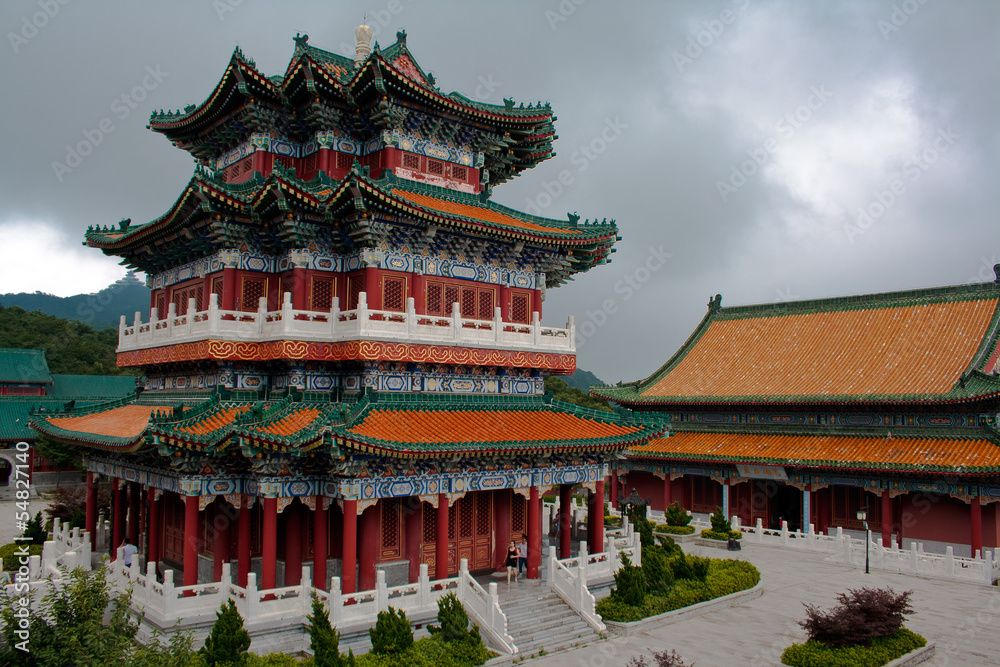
71, 348
100, 310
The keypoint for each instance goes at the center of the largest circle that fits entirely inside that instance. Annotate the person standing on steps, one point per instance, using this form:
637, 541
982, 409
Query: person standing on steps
511, 561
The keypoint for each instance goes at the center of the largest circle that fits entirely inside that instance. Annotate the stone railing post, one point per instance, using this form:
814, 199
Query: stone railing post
381, 594
424, 587
261, 314
334, 316
571, 328
550, 574
189, 317
171, 315
536, 329
949, 561
612, 554
169, 597
150, 580
411, 317
759, 533
362, 312
497, 325
305, 590
491, 612
286, 312
253, 596
335, 602
583, 560
213, 312
456, 321
784, 533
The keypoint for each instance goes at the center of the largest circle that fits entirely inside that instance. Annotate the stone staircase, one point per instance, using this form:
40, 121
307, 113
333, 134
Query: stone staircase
538, 618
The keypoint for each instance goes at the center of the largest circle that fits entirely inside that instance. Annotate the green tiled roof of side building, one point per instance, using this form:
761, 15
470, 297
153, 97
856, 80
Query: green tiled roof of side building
24, 366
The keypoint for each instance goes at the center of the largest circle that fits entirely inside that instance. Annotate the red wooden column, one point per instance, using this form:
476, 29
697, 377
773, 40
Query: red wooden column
501, 525
977, 526
190, 540
293, 544
368, 547
614, 489
413, 527
595, 521
118, 512
565, 520
373, 288
319, 545
348, 576
667, 496
153, 555
229, 288
133, 512
221, 521
91, 525
269, 544
300, 282
441, 543
243, 542
886, 518
534, 533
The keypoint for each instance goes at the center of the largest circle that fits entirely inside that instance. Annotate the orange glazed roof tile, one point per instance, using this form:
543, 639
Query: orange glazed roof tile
439, 427
918, 345
215, 421
880, 452
289, 424
481, 213
127, 421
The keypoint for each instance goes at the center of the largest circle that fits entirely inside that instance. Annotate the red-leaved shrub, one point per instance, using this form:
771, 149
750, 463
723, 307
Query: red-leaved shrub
862, 615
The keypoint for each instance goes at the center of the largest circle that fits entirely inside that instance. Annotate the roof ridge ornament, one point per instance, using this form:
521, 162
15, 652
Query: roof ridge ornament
364, 34
715, 304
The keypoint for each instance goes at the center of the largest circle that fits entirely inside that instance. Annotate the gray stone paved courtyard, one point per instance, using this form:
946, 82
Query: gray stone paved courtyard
963, 619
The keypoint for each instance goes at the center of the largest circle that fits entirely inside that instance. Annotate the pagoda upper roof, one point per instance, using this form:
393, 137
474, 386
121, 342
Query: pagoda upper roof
246, 101
392, 425
920, 346
330, 200
948, 454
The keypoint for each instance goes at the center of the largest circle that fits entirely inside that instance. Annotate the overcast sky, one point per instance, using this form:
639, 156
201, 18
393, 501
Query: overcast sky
762, 150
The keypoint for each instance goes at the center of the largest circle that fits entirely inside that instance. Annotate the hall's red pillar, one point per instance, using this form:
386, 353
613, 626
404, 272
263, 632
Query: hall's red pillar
153, 554
348, 576
299, 292
413, 529
565, 520
133, 513
220, 521
368, 547
886, 518
534, 533
91, 520
614, 489
190, 540
269, 544
977, 526
501, 526
243, 542
667, 496
118, 518
595, 521
228, 290
319, 545
441, 539
293, 545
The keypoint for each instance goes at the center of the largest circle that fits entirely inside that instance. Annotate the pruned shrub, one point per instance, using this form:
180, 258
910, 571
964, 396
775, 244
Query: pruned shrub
660, 659
674, 530
694, 568
630, 584
670, 547
709, 534
392, 633
720, 524
228, 643
862, 615
453, 619
677, 515
659, 577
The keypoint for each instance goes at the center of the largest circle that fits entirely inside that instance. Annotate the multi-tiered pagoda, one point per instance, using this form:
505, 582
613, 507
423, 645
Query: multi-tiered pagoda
344, 358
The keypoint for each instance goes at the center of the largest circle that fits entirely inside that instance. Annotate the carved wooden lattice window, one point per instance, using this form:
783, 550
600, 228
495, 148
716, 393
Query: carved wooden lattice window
247, 165
393, 293
390, 528
483, 508
250, 295
452, 520
465, 517
161, 304
217, 288
450, 297
374, 162
486, 304
284, 160
355, 286
435, 167
517, 514
435, 292
309, 166
520, 305
344, 160
459, 173
321, 294
411, 161
430, 524
286, 284
469, 302
181, 296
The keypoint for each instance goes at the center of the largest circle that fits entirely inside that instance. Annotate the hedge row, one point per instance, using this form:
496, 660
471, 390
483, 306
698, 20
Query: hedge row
725, 576
881, 651
674, 530
710, 534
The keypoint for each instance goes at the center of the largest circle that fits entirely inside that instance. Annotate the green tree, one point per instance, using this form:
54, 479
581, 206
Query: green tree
324, 640
453, 619
229, 641
567, 394
68, 626
392, 633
